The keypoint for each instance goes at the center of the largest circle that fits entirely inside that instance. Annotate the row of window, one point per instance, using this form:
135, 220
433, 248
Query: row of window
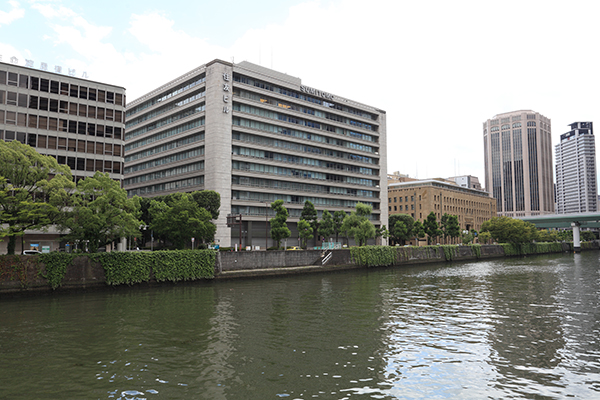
60, 125
165, 173
293, 199
292, 106
263, 141
194, 182
287, 158
166, 147
284, 117
171, 93
59, 106
164, 109
299, 173
61, 143
62, 88
296, 186
165, 134
262, 126
165, 121
166, 160
301, 96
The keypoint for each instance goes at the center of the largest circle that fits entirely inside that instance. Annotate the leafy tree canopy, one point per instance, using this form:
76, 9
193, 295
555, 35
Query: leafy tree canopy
432, 228
34, 189
401, 227
305, 231
326, 227
450, 226
358, 226
279, 229
338, 220
101, 213
181, 220
510, 230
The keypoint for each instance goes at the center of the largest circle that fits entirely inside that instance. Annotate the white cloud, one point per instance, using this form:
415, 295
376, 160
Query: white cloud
14, 14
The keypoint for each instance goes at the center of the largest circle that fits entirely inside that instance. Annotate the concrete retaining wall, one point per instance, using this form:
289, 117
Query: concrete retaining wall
22, 274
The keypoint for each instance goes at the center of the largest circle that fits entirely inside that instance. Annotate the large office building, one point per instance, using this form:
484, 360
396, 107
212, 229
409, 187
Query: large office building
77, 121
518, 163
576, 188
255, 135
418, 198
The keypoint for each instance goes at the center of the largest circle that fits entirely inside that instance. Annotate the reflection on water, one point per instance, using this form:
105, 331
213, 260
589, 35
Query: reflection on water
517, 328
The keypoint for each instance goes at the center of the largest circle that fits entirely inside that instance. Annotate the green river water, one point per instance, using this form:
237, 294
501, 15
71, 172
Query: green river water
519, 328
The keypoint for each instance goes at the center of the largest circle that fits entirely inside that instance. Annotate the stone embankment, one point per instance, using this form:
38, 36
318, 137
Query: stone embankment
25, 274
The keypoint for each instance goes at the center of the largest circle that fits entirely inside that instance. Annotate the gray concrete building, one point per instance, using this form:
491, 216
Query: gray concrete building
576, 188
256, 135
518, 163
79, 122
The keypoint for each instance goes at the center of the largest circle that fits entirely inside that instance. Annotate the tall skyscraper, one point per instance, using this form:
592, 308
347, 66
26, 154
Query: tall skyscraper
576, 189
256, 135
518, 163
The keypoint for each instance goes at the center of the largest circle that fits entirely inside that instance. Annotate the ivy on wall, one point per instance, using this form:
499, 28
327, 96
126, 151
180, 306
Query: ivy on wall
55, 266
373, 256
183, 265
124, 267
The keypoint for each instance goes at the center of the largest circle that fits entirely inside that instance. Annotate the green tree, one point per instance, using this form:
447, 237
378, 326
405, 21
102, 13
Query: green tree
338, 221
279, 229
432, 228
418, 230
587, 236
382, 232
182, 220
358, 226
484, 237
309, 214
101, 213
450, 226
305, 231
545, 235
326, 227
401, 228
510, 230
467, 238
209, 200
34, 190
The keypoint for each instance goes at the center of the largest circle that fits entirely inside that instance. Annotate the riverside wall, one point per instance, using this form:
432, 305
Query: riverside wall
25, 274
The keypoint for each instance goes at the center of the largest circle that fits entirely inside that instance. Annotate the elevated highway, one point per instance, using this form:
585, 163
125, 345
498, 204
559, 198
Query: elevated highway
574, 221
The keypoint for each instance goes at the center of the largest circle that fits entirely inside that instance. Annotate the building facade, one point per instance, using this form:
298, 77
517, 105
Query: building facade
77, 121
421, 197
518, 163
255, 135
576, 187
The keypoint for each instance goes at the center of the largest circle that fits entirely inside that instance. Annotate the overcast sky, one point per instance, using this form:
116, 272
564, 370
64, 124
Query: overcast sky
438, 68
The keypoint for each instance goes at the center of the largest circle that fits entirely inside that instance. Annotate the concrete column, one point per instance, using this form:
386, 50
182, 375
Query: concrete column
576, 238
217, 142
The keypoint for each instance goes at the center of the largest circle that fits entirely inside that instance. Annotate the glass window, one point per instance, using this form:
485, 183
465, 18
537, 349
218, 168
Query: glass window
44, 85
24, 81
54, 87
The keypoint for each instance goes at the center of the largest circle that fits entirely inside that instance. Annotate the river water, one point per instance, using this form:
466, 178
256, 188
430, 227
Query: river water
513, 328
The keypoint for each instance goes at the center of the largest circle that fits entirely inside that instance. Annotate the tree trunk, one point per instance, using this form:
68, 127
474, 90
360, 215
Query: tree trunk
11, 244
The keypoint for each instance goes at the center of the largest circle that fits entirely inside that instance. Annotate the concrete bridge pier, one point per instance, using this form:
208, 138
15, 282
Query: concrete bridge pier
576, 238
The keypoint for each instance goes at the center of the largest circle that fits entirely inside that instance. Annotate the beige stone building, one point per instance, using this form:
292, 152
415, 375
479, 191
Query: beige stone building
420, 197
518, 163
256, 135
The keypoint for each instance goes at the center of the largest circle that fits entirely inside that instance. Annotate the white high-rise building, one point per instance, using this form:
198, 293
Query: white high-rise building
576, 189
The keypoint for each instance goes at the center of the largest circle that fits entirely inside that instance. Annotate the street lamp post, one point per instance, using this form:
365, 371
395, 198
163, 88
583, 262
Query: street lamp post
266, 225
